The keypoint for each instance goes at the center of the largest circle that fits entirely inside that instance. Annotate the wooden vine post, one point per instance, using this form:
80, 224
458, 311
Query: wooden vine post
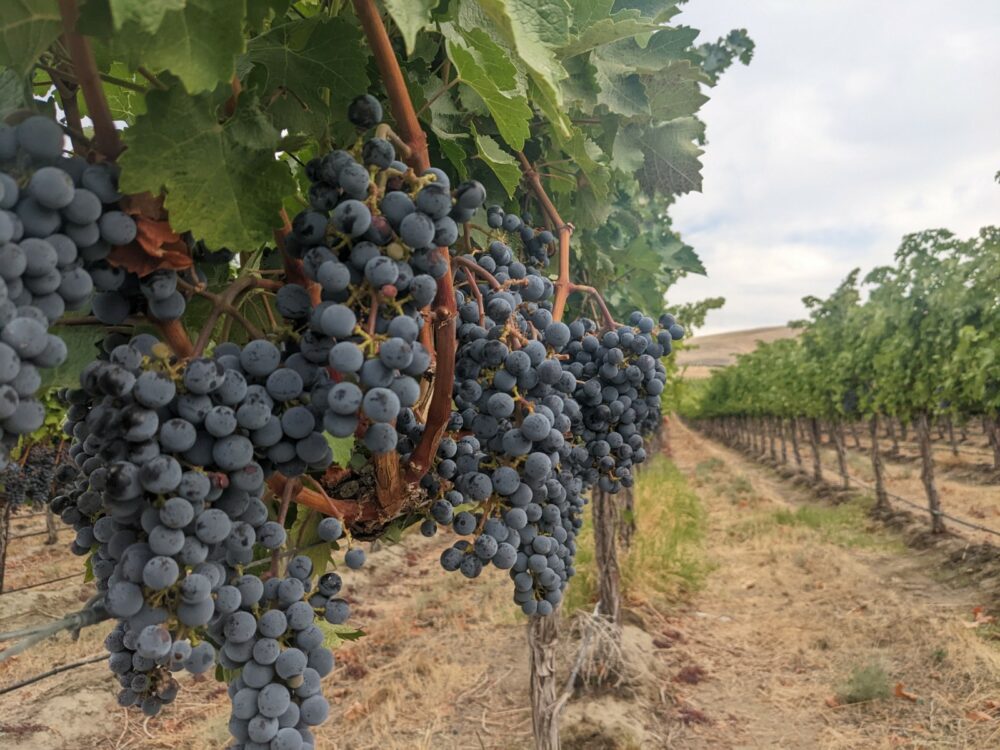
927, 473
881, 498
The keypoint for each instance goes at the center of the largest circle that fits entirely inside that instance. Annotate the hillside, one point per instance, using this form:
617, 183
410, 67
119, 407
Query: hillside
702, 354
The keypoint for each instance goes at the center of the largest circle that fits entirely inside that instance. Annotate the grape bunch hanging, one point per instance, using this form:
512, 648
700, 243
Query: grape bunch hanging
178, 462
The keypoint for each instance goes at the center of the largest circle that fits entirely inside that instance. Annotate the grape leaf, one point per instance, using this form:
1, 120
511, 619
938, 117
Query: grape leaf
341, 447
224, 193
27, 28
627, 154
310, 68
199, 43
251, 127
597, 27
82, 346
259, 11
503, 164
411, 16
672, 165
510, 112
535, 28
147, 13
675, 91
621, 92
14, 92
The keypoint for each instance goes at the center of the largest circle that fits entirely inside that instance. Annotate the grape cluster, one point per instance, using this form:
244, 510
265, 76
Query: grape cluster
514, 399
279, 651
33, 482
544, 412
621, 379
171, 547
372, 240
52, 215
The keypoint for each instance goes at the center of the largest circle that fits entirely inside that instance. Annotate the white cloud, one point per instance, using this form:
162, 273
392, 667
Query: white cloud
856, 123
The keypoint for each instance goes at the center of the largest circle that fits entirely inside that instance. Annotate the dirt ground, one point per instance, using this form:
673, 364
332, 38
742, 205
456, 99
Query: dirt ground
968, 488
790, 612
755, 659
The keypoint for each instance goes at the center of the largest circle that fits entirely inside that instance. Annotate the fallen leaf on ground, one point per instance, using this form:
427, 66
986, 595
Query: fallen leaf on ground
691, 715
901, 692
691, 674
978, 716
831, 701
979, 617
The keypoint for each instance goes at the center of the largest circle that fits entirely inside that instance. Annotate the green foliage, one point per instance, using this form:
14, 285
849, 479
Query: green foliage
222, 191
27, 28
602, 97
924, 341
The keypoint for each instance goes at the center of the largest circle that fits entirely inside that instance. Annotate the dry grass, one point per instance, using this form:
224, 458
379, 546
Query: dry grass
798, 606
703, 354
666, 561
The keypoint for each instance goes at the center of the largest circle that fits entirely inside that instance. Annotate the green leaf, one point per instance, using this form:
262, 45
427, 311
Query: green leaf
675, 91
199, 43
312, 68
453, 151
348, 632
260, 11
672, 163
510, 111
147, 13
627, 154
14, 92
342, 448
504, 166
666, 46
622, 93
411, 16
251, 127
596, 26
82, 345
27, 28
534, 30
224, 193
334, 636
125, 104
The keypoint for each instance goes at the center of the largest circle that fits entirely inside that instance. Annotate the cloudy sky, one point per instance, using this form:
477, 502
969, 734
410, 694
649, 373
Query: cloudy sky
856, 122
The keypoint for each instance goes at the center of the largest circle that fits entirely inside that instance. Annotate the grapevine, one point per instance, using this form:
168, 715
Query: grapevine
378, 340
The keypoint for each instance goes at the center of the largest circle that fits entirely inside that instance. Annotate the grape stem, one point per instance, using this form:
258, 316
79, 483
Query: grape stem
176, 337
384, 130
86, 73
318, 500
225, 303
395, 86
474, 288
388, 485
294, 270
477, 269
290, 490
71, 108
564, 283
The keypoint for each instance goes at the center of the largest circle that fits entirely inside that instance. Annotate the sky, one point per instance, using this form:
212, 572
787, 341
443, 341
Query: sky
856, 123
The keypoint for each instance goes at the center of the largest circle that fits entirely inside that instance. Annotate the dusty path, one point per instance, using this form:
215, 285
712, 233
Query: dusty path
796, 603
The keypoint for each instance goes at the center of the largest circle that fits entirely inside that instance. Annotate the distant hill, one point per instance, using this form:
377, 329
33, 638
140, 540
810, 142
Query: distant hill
706, 353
